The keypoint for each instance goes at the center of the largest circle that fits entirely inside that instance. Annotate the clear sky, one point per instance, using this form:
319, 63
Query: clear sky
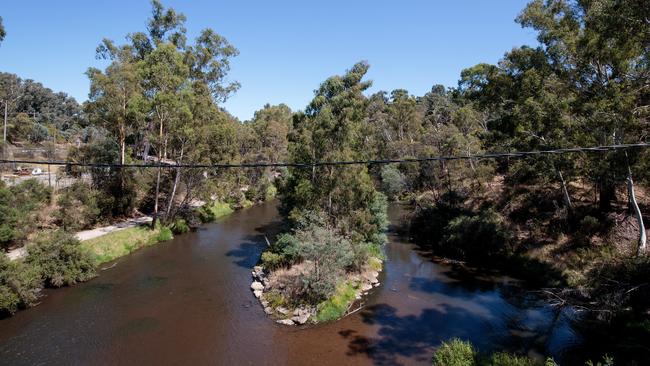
287, 48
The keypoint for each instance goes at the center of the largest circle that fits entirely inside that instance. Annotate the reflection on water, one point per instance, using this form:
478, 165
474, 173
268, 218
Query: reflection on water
188, 302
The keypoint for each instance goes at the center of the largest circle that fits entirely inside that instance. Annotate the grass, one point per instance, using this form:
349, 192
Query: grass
215, 210
120, 243
336, 306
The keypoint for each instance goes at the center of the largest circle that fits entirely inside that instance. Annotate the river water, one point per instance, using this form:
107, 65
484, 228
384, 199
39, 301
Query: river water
187, 302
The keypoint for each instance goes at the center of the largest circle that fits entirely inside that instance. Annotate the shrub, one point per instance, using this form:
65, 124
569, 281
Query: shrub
329, 253
336, 306
272, 260
19, 207
475, 237
210, 212
393, 182
507, 359
77, 207
270, 192
180, 227
164, 234
20, 285
60, 259
455, 353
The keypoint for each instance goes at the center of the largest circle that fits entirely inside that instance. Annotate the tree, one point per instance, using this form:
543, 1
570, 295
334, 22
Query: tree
115, 99
3, 33
329, 130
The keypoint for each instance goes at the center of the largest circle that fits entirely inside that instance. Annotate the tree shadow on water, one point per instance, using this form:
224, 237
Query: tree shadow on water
248, 251
415, 337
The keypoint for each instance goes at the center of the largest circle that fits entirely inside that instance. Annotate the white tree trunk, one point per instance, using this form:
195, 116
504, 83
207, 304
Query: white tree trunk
637, 211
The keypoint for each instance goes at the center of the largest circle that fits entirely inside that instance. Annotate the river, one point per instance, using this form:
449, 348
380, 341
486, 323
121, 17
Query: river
188, 302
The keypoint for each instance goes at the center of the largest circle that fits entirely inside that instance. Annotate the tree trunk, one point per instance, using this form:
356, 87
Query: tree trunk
155, 205
176, 179
607, 193
565, 191
637, 211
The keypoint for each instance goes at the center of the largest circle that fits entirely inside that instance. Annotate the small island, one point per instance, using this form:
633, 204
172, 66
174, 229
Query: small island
330, 252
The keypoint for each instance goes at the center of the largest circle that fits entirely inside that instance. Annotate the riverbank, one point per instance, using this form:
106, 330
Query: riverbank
191, 302
59, 258
579, 257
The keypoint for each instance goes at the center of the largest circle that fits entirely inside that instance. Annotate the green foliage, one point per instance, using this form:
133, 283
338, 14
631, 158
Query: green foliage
337, 305
393, 182
3, 33
77, 207
329, 255
60, 259
212, 211
606, 361
19, 208
455, 353
272, 260
165, 234
20, 285
275, 299
476, 237
508, 359
179, 227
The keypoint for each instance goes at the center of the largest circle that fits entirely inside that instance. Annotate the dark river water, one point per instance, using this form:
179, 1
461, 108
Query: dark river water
187, 302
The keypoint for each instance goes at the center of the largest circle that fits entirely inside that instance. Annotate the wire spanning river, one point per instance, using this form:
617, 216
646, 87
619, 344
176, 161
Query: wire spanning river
188, 302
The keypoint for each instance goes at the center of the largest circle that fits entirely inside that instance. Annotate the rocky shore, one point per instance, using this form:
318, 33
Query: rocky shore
261, 285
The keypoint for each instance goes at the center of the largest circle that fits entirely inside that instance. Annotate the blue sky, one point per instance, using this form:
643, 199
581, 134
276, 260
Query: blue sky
287, 48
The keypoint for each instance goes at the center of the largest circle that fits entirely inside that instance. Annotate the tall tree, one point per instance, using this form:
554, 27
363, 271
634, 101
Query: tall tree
3, 33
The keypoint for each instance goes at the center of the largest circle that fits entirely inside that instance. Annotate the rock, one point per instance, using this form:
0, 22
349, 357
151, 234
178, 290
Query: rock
302, 318
257, 286
268, 310
258, 269
282, 310
257, 293
366, 287
265, 303
285, 321
358, 297
297, 311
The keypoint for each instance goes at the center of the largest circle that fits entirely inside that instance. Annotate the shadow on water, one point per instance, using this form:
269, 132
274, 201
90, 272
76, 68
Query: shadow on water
247, 253
415, 337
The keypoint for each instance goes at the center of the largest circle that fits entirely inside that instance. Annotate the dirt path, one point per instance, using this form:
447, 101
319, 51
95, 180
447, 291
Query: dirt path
90, 234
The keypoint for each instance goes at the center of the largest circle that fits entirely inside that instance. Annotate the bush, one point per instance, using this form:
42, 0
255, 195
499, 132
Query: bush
475, 237
77, 207
60, 259
272, 260
180, 227
507, 359
19, 207
462, 353
164, 234
336, 306
330, 254
455, 353
393, 182
20, 285
211, 212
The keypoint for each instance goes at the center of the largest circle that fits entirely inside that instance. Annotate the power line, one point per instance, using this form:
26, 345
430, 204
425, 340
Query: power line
518, 154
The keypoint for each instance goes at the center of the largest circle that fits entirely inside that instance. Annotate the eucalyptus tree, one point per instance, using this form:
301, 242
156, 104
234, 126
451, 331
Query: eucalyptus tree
3, 33
170, 89
330, 131
600, 50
